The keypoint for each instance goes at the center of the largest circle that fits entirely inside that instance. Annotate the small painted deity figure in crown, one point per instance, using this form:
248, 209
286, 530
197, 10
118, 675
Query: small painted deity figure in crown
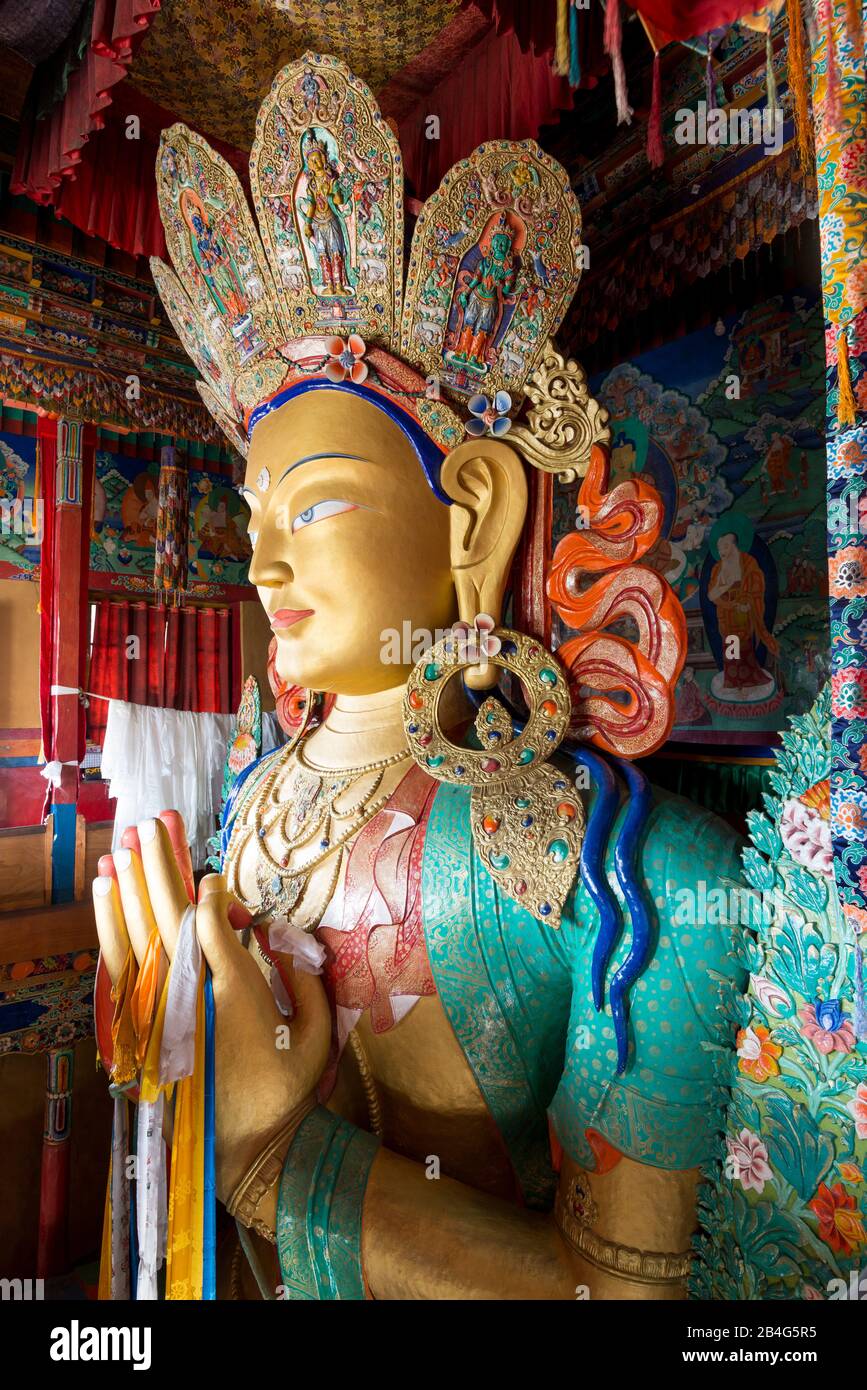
323, 207
483, 298
221, 275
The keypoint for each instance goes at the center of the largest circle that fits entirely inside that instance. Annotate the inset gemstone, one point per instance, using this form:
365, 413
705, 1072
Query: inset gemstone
425, 740
414, 700
558, 850
547, 676
527, 755
545, 909
490, 765
548, 708
435, 760
432, 671
491, 825
500, 861
566, 810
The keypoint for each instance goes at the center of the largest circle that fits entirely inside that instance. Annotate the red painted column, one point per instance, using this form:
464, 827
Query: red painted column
52, 1249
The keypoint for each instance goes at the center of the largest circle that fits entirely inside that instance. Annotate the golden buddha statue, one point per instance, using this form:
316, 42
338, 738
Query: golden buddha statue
494, 1084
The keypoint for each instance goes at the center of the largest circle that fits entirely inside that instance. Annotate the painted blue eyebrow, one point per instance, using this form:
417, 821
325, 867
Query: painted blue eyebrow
311, 458
308, 458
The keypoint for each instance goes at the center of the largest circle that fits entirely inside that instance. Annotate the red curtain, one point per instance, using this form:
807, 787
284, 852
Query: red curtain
180, 658
498, 92
50, 150
46, 445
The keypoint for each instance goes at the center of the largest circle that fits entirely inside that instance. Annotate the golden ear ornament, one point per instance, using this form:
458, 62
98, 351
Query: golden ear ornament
527, 818
563, 422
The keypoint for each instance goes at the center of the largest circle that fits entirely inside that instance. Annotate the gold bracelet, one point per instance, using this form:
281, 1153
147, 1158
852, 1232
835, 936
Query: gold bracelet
264, 1172
620, 1261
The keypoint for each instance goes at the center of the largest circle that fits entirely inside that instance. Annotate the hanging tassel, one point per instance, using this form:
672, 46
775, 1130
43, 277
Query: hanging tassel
561, 41
611, 41
846, 397
798, 83
655, 150
770, 84
574, 55
833, 93
709, 80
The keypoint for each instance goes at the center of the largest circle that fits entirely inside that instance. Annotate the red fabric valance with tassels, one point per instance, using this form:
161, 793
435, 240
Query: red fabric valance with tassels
690, 19
50, 150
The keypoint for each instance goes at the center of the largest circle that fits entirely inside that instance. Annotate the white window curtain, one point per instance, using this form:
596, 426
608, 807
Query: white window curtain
161, 759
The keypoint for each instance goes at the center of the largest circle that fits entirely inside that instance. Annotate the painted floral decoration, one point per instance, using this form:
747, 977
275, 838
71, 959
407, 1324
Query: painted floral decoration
489, 417
749, 1159
345, 362
783, 1210
758, 1054
477, 644
806, 834
840, 1222
823, 1023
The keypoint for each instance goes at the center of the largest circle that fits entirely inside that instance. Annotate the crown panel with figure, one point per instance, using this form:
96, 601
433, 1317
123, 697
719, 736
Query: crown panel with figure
327, 180
495, 261
198, 344
216, 251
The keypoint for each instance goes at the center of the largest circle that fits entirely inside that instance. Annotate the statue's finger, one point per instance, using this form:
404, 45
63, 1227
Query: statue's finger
105, 867
110, 924
137, 910
174, 823
129, 839
166, 890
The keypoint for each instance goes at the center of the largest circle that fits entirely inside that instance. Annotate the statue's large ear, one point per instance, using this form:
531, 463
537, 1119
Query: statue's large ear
486, 482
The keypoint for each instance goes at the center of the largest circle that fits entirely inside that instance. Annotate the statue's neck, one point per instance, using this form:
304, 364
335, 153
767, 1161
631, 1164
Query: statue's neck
360, 729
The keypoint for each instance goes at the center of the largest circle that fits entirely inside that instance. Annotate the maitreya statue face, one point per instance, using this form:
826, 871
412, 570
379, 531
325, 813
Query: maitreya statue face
350, 541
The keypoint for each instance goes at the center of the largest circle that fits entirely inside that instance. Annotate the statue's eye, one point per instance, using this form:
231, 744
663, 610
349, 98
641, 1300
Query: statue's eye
319, 511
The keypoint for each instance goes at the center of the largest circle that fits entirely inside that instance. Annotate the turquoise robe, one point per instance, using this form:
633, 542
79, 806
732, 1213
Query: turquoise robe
517, 993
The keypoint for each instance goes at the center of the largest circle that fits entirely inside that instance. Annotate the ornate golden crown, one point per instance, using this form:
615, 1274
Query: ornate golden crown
318, 290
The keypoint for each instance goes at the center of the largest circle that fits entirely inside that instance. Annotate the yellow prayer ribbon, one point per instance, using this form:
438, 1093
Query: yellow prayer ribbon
145, 993
123, 1040
184, 1256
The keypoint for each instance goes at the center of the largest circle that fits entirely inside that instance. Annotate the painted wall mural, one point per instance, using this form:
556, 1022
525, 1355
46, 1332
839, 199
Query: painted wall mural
20, 519
123, 534
728, 423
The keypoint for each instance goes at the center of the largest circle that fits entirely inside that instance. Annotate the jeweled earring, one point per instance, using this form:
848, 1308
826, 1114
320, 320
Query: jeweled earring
527, 818
503, 752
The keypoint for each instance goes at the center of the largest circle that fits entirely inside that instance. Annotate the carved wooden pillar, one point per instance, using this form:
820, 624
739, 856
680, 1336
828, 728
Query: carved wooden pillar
52, 1252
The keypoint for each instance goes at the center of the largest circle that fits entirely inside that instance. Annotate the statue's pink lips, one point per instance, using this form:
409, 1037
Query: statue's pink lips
287, 617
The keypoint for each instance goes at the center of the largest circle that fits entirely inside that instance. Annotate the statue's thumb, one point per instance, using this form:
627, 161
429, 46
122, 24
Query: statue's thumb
217, 937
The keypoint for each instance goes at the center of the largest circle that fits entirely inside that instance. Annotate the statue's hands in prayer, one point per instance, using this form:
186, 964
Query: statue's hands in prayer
260, 1082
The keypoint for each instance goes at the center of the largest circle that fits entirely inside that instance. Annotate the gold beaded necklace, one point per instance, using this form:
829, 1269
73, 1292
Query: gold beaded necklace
302, 819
